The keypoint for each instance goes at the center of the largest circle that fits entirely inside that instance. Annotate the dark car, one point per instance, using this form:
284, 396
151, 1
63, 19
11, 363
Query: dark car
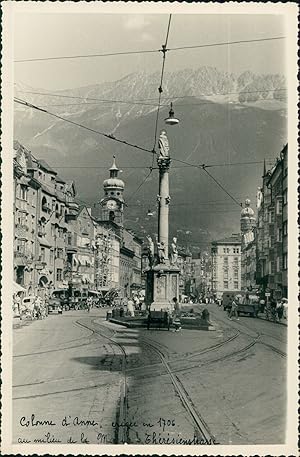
54, 306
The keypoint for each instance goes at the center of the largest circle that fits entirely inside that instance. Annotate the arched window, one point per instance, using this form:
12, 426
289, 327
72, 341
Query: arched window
44, 205
111, 216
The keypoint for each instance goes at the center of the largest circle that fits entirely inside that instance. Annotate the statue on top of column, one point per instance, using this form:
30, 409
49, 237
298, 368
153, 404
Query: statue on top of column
163, 144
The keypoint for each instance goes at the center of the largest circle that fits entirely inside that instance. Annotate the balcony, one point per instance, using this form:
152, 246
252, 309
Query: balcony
21, 230
21, 205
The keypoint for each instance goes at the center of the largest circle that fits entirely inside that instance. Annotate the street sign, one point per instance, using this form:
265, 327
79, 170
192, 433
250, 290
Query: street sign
267, 294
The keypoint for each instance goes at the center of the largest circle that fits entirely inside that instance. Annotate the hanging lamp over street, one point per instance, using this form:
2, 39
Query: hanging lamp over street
171, 120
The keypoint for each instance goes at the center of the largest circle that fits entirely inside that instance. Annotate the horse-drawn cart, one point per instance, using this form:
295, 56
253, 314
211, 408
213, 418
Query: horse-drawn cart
160, 319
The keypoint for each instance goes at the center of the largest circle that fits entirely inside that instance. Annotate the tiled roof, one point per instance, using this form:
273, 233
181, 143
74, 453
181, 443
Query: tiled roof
47, 167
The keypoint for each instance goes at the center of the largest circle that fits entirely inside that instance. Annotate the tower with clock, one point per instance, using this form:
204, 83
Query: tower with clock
112, 205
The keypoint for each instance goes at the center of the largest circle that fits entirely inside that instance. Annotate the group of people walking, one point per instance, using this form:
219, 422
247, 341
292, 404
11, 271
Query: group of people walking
33, 309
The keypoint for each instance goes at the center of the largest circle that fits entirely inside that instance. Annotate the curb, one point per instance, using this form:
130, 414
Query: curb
267, 320
144, 325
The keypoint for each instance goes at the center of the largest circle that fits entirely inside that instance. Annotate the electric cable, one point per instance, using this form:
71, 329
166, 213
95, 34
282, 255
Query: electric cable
85, 56
109, 136
207, 45
140, 185
160, 89
140, 101
147, 51
222, 187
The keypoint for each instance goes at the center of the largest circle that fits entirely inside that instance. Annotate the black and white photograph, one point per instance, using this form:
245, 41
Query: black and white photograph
149, 228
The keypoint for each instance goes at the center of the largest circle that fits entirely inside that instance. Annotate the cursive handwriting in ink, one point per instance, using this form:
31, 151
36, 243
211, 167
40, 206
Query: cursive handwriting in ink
33, 422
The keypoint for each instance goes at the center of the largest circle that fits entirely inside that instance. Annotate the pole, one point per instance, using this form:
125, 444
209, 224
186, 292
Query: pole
163, 220
163, 162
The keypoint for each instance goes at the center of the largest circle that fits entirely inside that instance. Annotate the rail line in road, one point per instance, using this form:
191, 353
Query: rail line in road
121, 435
198, 420
200, 424
258, 335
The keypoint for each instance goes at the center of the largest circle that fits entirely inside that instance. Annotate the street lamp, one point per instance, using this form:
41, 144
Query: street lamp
171, 120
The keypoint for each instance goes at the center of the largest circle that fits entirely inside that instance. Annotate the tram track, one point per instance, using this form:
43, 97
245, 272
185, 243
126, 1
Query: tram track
121, 432
200, 424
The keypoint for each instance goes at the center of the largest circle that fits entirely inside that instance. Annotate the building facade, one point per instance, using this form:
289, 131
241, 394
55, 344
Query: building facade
272, 233
25, 220
226, 265
59, 245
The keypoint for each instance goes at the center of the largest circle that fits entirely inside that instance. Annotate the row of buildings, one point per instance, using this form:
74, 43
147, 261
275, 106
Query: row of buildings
256, 259
59, 245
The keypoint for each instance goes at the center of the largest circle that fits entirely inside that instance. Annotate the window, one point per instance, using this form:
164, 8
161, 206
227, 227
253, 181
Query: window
60, 253
44, 204
236, 285
279, 234
285, 229
285, 261
278, 207
225, 284
59, 274
23, 192
51, 259
278, 264
43, 254
285, 197
21, 247
237, 250
235, 274
234, 250
225, 260
236, 260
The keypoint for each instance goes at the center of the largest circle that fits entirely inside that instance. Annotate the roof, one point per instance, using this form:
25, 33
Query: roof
46, 167
59, 179
233, 239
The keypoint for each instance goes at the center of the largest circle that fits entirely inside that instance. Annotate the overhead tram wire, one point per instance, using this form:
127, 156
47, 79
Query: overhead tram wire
140, 185
160, 90
87, 56
106, 135
147, 51
207, 45
111, 137
140, 101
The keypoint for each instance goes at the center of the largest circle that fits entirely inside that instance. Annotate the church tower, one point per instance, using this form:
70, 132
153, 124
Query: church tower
248, 223
112, 205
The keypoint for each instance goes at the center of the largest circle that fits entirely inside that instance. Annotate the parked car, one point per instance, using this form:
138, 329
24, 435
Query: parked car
54, 306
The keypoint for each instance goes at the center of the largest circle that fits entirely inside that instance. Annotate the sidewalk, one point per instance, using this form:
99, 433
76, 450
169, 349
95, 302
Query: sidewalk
283, 322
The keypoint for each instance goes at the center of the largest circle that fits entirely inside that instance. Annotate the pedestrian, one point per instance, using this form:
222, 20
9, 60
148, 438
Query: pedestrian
274, 310
233, 310
176, 306
16, 305
279, 310
262, 305
130, 307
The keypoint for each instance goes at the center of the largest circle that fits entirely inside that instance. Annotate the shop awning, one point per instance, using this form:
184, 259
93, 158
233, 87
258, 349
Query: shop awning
18, 288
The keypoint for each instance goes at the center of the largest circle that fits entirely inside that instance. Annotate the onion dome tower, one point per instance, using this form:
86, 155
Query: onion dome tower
248, 222
112, 204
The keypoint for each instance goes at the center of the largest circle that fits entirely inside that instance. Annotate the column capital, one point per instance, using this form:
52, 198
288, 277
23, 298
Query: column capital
164, 162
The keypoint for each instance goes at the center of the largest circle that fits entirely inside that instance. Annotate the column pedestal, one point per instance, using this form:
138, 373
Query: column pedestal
162, 286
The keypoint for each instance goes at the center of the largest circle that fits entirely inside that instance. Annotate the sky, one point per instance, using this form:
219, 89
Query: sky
59, 34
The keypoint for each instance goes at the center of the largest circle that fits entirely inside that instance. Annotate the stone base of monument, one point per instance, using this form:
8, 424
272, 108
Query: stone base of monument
162, 285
